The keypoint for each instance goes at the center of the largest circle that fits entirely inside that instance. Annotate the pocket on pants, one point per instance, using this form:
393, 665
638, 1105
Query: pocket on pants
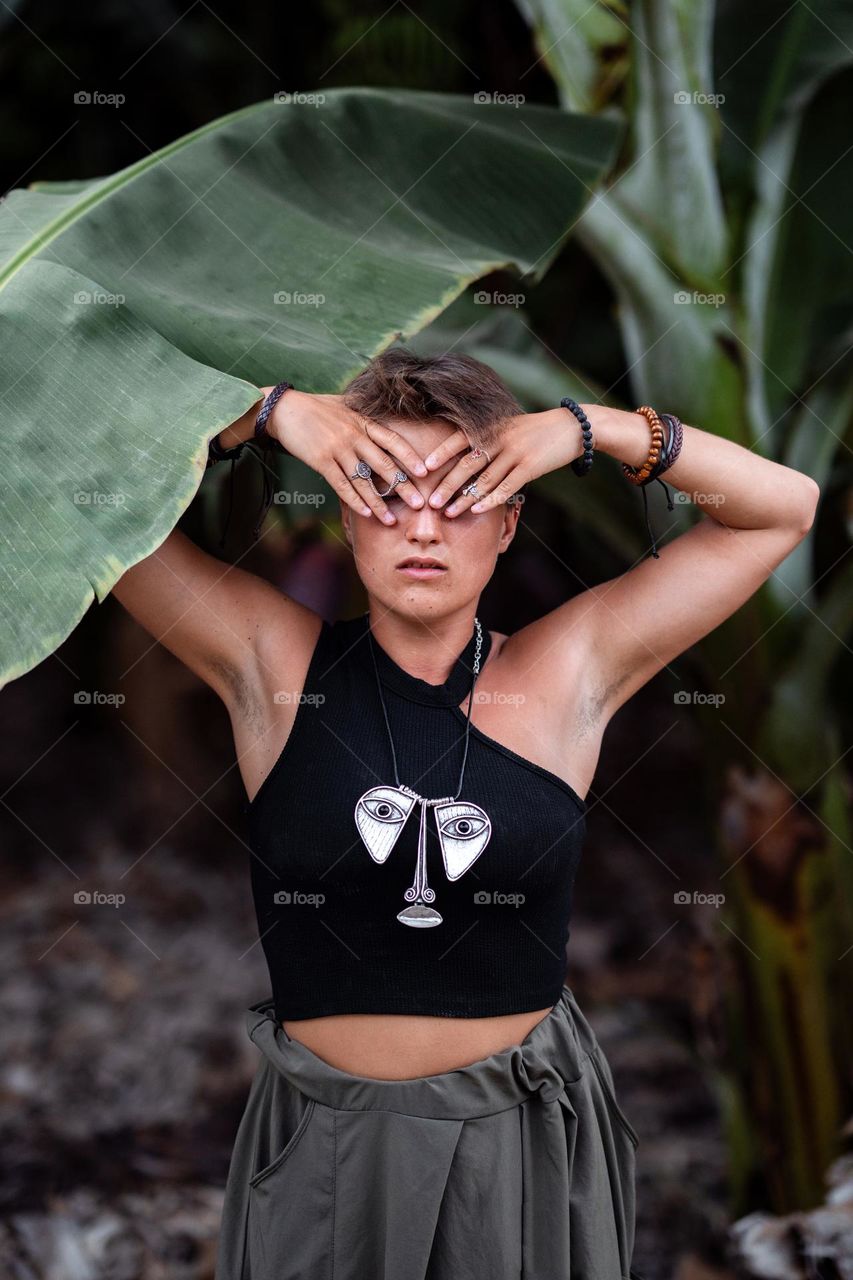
291, 1203
605, 1077
289, 1147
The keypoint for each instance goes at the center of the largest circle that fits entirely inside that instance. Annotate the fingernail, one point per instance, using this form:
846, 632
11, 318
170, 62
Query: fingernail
436, 499
478, 506
388, 518
452, 509
430, 461
417, 500
420, 469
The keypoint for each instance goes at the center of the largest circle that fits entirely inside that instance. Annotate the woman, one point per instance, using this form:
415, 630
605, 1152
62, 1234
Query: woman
430, 1102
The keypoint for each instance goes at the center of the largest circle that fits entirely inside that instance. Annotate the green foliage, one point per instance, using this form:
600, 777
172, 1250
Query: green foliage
141, 312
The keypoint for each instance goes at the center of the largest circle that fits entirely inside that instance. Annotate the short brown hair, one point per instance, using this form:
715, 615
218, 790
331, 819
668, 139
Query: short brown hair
460, 389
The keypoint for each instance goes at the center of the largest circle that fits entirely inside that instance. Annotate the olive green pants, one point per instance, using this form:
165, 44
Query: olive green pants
518, 1166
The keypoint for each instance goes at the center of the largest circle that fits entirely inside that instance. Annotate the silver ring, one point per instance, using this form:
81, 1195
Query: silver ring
363, 471
400, 477
472, 489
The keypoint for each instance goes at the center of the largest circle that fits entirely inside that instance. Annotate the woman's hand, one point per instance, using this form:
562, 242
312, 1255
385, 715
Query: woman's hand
331, 438
529, 445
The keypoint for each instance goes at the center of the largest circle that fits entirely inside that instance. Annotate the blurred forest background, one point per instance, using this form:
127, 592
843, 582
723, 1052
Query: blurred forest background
125, 1064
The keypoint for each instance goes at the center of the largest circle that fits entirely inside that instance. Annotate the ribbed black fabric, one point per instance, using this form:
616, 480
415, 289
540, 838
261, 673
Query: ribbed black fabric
327, 912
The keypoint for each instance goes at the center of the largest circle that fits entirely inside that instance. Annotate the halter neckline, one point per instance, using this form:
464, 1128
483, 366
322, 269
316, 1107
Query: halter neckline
450, 693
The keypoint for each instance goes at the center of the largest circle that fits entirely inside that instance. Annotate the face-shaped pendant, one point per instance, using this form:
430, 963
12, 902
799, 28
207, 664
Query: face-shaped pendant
463, 832
380, 816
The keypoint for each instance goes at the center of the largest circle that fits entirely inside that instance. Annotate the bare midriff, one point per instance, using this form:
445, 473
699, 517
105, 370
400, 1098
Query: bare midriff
404, 1046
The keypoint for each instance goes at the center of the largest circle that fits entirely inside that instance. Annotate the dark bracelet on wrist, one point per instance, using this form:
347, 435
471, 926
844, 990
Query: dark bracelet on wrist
580, 466
260, 442
262, 436
216, 452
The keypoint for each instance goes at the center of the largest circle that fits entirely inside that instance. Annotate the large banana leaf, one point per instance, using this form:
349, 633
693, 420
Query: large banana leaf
584, 46
673, 189
806, 296
771, 59
140, 312
658, 233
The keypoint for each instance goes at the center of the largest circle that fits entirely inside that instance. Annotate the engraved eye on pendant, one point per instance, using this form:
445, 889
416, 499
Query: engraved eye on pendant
380, 815
463, 832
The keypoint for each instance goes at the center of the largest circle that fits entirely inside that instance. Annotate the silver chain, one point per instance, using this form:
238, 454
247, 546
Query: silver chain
477, 652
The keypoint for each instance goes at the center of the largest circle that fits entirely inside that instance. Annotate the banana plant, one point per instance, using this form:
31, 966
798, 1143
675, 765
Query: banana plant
142, 311
726, 234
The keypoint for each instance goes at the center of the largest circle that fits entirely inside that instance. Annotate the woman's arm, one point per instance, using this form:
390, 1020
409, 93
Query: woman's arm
736, 487
224, 623
209, 614
618, 634
758, 511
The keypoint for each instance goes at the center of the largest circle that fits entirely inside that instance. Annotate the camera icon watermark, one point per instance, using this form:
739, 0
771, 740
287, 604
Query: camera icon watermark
98, 298
297, 498
499, 698
95, 898
293, 298
298, 696
96, 498
694, 697
682, 898
694, 495
94, 697
484, 98
495, 298
685, 297
286, 98
97, 98
682, 98
286, 898
494, 897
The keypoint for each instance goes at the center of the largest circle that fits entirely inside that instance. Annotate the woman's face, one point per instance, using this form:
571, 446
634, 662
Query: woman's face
467, 546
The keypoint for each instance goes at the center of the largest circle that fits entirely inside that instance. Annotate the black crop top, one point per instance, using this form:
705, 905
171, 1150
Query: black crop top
328, 910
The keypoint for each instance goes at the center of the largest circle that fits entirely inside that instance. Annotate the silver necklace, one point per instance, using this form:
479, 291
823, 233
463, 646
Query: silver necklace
463, 828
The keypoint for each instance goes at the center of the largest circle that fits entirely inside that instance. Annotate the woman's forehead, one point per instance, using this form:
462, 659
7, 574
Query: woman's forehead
427, 436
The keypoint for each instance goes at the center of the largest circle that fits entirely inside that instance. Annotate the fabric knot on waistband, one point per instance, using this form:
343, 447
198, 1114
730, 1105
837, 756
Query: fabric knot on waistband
550, 1057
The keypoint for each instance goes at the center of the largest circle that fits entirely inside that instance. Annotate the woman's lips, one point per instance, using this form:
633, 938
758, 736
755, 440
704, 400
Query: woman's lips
412, 571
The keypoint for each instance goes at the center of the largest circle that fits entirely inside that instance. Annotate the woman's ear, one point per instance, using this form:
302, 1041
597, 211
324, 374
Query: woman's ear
511, 512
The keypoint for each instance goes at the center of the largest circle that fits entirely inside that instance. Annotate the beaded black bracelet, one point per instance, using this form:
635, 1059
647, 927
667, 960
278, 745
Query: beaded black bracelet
580, 466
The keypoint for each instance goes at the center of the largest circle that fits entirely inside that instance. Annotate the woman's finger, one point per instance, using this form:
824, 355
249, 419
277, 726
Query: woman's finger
367, 486
344, 488
494, 485
503, 490
385, 468
407, 456
447, 449
469, 465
